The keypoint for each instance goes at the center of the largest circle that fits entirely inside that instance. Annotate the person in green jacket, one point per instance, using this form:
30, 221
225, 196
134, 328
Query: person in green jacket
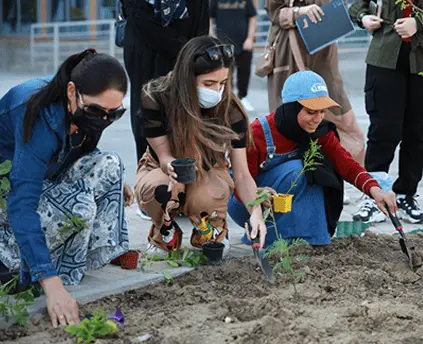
393, 87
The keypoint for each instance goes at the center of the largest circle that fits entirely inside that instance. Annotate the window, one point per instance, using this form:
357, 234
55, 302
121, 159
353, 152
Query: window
18, 15
67, 10
106, 9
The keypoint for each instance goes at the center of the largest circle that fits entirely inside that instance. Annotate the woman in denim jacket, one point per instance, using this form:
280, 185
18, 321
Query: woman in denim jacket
49, 130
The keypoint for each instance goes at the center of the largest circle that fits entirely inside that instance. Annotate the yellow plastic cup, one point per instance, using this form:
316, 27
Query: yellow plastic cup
282, 203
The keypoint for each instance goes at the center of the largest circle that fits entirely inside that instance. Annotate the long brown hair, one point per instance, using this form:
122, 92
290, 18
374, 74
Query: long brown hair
194, 132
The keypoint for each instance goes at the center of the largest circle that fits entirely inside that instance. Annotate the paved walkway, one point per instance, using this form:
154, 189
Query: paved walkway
111, 279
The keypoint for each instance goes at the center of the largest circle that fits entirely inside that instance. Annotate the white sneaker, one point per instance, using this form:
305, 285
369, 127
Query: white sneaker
247, 105
153, 250
347, 198
368, 212
143, 215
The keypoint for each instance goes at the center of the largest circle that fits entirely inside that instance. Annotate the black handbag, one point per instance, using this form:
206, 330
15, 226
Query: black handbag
120, 25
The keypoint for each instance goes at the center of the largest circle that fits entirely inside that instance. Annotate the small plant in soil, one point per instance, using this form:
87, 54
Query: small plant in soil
175, 259
168, 277
5, 168
311, 159
89, 329
15, 306
281, 250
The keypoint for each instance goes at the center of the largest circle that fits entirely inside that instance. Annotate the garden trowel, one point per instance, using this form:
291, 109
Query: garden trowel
413, 259
261, 260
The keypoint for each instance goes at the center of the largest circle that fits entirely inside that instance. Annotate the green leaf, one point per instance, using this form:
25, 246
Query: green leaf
168, 277
72, 329
196, 260
266, 214
4, 184
277, 266
173, 263
186, 253
3, 204
5, 167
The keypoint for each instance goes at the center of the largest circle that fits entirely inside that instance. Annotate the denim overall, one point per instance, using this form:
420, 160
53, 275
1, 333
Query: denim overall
307, 220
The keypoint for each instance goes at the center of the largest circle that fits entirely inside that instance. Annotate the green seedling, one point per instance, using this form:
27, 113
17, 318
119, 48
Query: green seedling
175, 259
88, 330
72, 224
5, 168
281, 250
168, 277
15, 306
311, 159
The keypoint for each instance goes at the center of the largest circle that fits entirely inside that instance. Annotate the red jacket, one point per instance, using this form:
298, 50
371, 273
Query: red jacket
342, 161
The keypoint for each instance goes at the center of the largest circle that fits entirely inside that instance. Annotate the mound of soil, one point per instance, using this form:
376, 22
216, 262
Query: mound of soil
357, 290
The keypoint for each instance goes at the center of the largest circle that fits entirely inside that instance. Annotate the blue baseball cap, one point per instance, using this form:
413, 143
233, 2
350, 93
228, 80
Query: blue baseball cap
309, 89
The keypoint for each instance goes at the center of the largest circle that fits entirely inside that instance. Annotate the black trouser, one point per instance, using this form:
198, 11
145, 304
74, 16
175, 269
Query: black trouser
394, 106
142, 64
243, 71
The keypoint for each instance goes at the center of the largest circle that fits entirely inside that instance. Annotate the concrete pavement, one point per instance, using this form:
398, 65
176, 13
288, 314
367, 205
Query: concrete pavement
118, 138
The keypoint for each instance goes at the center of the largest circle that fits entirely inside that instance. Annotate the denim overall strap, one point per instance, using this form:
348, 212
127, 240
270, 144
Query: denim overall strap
267, 135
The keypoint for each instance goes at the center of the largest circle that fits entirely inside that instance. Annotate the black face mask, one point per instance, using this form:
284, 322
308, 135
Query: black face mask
90, 124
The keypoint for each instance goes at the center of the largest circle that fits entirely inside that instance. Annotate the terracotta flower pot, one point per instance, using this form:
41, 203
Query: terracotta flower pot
129, 260
282, 203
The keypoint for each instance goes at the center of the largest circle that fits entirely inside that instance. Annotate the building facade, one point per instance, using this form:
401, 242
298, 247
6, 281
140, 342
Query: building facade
16, 16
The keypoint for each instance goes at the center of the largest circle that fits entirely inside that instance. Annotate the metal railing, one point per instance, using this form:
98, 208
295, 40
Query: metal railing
51, 43
56, 41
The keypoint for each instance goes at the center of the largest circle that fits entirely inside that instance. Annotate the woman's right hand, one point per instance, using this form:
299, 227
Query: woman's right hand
61, 306
314, 12
371, 22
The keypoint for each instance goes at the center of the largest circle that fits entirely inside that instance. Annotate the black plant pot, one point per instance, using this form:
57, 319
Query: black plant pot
213, 251
185, 169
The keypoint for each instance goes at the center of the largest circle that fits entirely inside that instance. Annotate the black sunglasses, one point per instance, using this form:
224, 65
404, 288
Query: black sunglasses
99, 111
215, 53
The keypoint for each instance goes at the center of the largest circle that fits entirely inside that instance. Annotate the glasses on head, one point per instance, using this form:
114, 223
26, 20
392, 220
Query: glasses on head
215, 53
99, 111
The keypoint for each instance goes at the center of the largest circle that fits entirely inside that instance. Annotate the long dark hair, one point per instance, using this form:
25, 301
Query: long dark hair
92, 74
205, 138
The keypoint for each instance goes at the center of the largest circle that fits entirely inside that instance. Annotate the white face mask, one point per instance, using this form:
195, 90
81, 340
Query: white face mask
208, 98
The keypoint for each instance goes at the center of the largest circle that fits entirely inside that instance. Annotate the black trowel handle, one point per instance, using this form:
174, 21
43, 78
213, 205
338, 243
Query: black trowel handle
395, 221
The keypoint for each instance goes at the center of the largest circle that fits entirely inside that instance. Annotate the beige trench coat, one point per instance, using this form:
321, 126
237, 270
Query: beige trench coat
324, 62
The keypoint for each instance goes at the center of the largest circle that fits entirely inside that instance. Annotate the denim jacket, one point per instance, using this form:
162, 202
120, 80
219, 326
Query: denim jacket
38, 159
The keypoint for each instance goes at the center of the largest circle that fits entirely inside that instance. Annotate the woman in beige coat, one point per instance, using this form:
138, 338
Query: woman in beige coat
282, 14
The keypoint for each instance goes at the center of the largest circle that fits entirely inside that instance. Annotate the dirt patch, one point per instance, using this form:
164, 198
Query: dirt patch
357, 290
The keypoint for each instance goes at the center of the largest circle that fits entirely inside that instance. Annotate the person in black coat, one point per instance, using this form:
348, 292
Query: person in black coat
156, 30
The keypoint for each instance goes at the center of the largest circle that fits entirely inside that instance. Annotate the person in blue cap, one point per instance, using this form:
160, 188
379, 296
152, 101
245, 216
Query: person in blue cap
276, 158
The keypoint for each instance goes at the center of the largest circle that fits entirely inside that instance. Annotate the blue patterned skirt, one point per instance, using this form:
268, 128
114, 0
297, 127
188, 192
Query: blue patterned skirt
92, 190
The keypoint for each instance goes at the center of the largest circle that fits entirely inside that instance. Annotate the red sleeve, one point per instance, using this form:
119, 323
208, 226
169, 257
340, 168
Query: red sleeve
256, 153
345, 164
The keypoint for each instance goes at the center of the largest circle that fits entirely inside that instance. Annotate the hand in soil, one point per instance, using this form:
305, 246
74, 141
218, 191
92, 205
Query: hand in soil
61, 306
384, 199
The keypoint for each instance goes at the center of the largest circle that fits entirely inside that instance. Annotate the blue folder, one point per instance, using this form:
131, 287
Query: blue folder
336, 23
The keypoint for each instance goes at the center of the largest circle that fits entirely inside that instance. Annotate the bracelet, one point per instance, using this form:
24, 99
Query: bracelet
368, 180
